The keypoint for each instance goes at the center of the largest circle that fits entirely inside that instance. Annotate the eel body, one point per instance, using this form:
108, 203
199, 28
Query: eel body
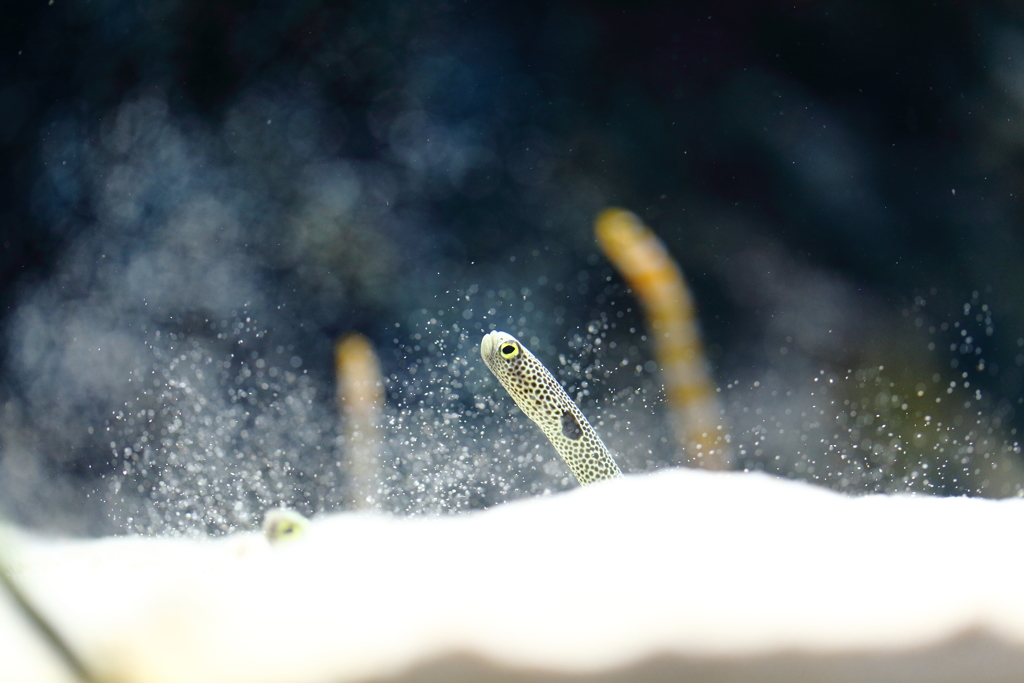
539, 395
650, 271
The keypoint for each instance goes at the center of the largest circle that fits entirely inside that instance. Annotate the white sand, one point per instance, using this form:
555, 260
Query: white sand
682, 574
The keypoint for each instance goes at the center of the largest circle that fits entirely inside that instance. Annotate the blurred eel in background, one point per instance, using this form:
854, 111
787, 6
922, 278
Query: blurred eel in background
360, 395
650, 271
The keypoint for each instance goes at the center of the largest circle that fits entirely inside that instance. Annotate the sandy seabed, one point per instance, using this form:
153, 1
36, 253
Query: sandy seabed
680, 574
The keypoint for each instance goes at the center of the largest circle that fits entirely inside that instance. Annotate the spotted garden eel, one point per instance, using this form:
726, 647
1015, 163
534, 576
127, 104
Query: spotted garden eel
283, 524
541, 397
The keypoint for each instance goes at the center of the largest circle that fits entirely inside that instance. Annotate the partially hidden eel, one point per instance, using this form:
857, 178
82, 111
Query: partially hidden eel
538, 394
283, 524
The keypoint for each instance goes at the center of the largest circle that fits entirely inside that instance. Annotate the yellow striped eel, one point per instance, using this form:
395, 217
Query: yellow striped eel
541, 397
650, 271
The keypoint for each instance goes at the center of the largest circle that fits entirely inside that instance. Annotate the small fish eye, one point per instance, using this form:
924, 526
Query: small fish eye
509, 351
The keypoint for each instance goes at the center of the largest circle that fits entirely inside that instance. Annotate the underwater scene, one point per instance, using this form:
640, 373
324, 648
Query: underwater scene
215, 215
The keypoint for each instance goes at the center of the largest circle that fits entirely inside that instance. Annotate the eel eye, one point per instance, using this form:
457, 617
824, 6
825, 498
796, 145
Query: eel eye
509, 351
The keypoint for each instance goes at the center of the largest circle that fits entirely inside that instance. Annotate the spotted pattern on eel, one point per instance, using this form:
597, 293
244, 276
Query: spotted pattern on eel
538, 394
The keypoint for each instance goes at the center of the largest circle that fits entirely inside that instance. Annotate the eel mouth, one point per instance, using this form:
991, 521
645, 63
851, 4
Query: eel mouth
488, 344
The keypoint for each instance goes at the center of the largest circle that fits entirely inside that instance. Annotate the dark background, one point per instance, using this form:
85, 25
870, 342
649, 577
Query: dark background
837, 179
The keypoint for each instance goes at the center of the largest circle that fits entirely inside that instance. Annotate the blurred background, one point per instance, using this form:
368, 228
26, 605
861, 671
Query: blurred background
198, 198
